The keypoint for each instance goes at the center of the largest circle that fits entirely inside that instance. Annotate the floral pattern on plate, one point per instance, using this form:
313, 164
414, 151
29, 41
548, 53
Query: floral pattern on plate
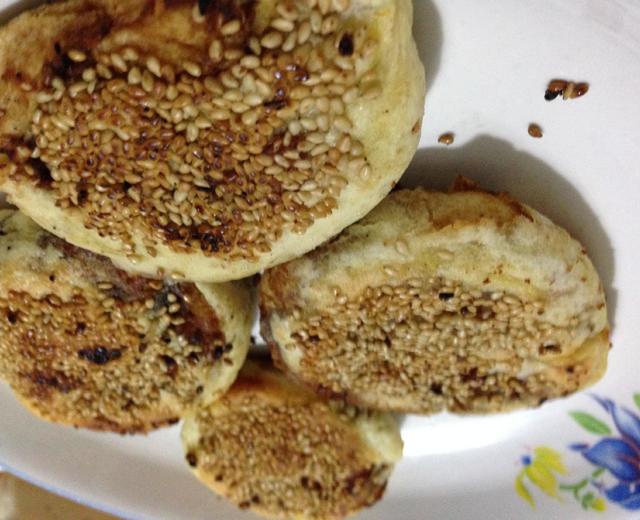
615, 455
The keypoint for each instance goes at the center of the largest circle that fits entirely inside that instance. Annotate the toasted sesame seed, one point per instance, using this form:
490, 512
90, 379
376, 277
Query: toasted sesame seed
282, 24
272, 40
89, 75
130, 54
569, 91
77, 55
103, 71
230, 28
193, 68
402, 248
154, 66
118, 62
215, 51
250, 62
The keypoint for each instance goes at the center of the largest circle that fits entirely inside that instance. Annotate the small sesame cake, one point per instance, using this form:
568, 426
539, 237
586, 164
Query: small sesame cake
206, 139
85, 344
465, 301
276, 448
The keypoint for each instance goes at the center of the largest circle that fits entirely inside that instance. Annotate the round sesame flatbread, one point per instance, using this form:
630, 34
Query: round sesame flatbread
272, 446
466, 301
88, 345
252, 134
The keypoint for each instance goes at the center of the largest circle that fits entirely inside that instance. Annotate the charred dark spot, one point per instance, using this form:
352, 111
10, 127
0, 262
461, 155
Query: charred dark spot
83, 196
255, 499
171, 365
126, 186
52, 277
210, 242
485, 313
470, 375
387, 341
193, 357
192, 459
229, 347
172, 232
45, 180
203, 6
53, 379
275, 103
199, 389
550, 95
219, 477
301, 74
345, 47
12, 317
549, 349
445, 296
81, 327
218, 352
357, 479
436, 388
244, 505
100, 355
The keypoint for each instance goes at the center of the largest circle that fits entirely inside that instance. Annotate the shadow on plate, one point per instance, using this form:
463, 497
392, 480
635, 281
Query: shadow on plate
427, 31
496, 165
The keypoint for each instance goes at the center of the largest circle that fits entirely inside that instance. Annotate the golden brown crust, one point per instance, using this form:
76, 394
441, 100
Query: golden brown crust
467, 301
273, 447
88, 345
299, 154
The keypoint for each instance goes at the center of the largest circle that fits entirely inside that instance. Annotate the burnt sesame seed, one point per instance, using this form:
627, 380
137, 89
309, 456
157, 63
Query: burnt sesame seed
447, 138
535, 131
345, 47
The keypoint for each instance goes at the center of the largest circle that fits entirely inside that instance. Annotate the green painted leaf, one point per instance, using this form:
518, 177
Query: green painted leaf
587, 500
598, 472
590, 423
522, 490
636, 398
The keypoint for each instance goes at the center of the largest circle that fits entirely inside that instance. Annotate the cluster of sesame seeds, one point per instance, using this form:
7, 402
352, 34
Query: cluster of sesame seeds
566, 89
425, 345
107, 358
287, 459
220, 155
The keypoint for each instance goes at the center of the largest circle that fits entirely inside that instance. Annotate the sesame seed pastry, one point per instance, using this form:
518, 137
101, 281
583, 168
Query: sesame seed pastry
276, 448
207, 140
85, 344
466, 301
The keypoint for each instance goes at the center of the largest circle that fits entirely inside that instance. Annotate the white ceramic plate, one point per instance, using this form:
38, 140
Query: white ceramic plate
487, 66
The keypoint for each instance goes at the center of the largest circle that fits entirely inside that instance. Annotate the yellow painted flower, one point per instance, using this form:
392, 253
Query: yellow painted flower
540, 470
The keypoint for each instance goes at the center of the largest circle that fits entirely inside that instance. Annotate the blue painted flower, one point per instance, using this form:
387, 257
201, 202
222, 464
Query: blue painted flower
620, 456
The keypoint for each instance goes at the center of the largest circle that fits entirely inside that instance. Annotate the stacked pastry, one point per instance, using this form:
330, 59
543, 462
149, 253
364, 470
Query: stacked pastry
152, 174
